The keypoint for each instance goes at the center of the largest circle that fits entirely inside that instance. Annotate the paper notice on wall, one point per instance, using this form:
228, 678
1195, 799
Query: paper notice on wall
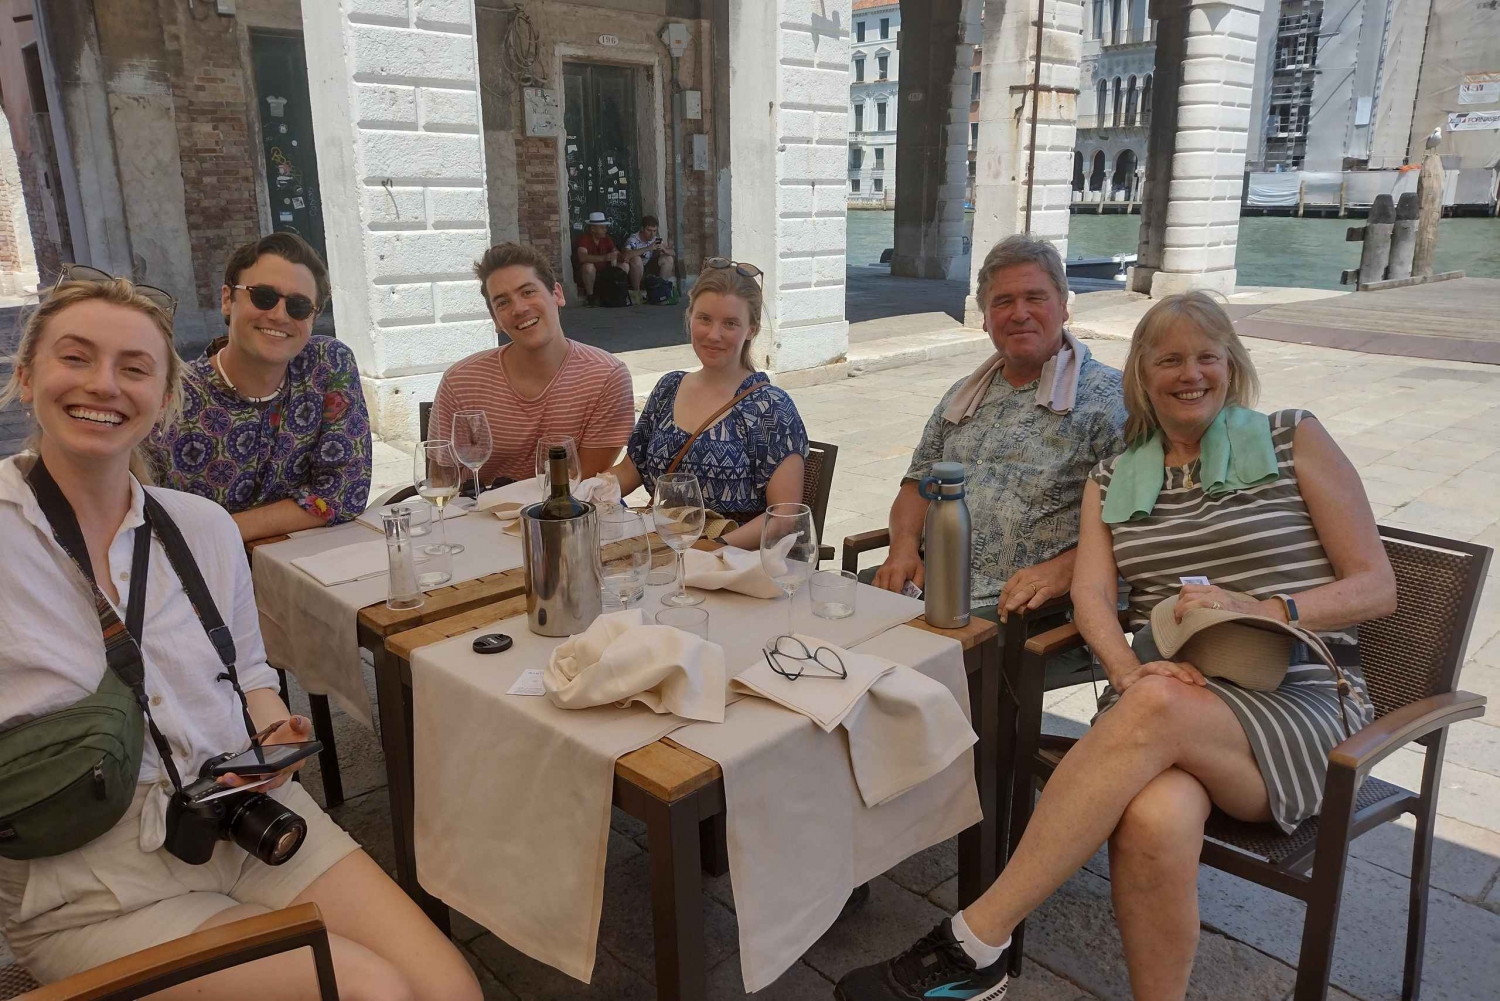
298, 203
1479, 88
542, 112
277, 106
1473, 121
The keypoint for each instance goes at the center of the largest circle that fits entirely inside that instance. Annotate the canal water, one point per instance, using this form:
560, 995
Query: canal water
1273, 250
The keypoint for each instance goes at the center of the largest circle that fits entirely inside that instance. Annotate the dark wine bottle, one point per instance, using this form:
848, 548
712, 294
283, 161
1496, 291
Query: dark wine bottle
560, 504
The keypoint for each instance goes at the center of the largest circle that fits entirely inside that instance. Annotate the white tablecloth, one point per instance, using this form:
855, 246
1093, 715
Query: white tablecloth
513, 794
311, 631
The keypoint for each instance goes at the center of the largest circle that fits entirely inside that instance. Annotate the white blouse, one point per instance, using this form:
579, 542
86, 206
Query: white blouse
52, 650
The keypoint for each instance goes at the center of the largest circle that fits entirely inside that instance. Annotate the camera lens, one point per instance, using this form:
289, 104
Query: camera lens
266, 829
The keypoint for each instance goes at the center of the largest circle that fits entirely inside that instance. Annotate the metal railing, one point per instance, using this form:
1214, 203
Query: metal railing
1128, 36
1140, 120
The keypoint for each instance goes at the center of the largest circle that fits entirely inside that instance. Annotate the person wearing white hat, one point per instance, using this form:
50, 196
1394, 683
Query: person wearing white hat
595, 249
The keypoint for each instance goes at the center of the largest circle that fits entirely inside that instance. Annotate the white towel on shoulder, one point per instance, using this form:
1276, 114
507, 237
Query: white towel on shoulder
1057, 387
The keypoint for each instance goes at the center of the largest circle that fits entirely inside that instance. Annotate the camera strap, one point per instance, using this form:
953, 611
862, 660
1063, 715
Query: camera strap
122, 653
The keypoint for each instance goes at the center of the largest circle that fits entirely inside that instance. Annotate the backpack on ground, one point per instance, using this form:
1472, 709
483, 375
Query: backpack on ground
657, 289
612, 287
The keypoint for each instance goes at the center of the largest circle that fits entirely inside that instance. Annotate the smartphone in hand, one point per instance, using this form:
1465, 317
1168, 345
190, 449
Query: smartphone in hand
267, 759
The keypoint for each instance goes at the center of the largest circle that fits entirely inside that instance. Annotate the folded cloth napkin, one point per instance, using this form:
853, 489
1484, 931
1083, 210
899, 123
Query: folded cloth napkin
346, 563
1057, 387
1236, 452
906, 729
619, 660
824, 699
371, 518
731, 569
602, 489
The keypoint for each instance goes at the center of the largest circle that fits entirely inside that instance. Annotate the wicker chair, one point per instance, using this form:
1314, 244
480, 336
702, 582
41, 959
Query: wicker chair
1410, 661
197, 955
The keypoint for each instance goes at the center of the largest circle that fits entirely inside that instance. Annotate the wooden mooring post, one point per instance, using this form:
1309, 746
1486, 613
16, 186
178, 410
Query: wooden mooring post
1376, 234
1430, 204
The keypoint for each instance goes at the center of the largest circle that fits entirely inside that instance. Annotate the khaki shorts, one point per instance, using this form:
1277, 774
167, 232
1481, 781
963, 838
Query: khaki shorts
108, 899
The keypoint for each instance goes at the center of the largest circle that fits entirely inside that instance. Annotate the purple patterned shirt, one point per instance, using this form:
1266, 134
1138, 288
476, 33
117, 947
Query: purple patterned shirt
310, 444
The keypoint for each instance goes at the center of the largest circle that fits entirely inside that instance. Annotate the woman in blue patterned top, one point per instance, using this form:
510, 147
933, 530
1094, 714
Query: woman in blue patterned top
750, 457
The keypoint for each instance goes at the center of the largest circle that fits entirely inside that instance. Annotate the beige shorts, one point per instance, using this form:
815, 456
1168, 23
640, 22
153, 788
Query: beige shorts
108, 899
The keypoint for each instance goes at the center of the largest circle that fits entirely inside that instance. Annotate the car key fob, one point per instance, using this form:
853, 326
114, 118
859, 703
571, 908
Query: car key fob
492, 643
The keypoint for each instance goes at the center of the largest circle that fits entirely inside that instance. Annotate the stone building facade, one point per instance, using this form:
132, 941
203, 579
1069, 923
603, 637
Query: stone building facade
1114, 101
874, 102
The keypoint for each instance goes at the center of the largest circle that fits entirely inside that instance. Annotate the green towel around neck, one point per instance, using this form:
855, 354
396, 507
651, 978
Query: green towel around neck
1235, 452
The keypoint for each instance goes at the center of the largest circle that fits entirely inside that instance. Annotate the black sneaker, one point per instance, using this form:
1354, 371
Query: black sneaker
936, 967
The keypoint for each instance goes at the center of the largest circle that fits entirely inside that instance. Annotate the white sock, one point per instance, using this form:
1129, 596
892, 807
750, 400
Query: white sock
983, 955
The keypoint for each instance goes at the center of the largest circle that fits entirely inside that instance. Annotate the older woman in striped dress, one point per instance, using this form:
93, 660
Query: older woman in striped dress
1274, 515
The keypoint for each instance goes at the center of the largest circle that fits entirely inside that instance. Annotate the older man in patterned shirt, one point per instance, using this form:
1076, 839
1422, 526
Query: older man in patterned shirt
1028, 426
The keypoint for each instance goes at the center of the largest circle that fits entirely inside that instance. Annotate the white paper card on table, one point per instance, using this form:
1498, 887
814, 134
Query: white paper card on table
1193, 580
529, 683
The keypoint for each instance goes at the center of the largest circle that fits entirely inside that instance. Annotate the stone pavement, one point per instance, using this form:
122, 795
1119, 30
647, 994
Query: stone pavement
1426, 439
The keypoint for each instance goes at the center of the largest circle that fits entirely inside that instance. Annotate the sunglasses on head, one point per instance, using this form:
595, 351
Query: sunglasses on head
264, 297
720, 263
83, 273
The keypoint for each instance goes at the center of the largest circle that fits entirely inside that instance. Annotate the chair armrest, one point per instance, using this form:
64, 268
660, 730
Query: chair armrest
1061, 603
1055, 641
863, 542
1394, 730
183, 959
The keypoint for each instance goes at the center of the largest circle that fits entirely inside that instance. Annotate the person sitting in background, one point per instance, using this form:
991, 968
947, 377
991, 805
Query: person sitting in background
1270, 507
97, 371
273, 424
747, 439
646, 253
540, 383
1028, 426
592, 252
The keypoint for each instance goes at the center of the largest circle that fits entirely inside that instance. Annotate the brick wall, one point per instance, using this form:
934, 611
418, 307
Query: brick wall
538, 211
10, 246
210, 95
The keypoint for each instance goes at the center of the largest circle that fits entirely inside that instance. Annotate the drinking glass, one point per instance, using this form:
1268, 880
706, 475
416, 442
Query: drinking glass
575, 471
689, 620
789, 549
679, 516
832, 593
436, 473
625, 556
472, 442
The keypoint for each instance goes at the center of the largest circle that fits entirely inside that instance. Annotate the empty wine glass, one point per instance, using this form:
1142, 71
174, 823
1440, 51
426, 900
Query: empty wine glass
575, 471
679, 517
472, 442
436, 473
789, 549
624, 556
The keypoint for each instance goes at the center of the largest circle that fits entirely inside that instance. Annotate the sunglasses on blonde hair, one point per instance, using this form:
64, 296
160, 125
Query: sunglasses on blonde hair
721, 263
84, 273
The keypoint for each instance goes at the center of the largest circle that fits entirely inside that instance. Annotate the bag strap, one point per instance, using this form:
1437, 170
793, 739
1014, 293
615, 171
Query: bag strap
683, 451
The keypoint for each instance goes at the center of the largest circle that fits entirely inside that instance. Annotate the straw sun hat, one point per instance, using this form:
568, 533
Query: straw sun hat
1253, 651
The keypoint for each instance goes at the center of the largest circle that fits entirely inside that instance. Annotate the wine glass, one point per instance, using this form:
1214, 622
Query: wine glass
436, 473
575, 471
789, 549
472, 442
624, 556
679, 517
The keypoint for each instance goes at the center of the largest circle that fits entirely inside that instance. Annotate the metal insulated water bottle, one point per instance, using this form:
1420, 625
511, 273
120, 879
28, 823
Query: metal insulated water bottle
947, 546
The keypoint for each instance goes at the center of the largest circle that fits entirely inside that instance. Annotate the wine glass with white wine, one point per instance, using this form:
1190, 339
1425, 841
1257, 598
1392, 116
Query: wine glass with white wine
789, 549
436, 473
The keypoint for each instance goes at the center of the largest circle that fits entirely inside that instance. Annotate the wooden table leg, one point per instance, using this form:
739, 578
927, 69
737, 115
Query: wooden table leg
328, 758
396, 741
1027, 681
713, 844
980, 846
672, 831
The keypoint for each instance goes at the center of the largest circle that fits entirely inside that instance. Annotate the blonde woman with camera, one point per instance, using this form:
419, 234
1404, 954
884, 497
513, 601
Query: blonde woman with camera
97, 372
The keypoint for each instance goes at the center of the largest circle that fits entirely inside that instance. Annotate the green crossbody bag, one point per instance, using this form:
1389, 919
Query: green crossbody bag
69, 776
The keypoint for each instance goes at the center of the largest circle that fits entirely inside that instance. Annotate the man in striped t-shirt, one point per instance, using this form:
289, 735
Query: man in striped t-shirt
540, 383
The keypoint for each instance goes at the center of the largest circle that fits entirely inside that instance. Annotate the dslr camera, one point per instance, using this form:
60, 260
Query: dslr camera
204, 813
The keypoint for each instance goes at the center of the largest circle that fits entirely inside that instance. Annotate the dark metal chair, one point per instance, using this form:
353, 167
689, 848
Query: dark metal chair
817, 484
1411, 660
181, 960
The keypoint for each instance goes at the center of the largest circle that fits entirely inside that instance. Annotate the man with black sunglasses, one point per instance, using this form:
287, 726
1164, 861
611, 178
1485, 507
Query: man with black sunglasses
274, 426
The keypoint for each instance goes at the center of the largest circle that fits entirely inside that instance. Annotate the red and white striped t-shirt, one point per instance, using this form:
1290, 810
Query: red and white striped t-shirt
590, 400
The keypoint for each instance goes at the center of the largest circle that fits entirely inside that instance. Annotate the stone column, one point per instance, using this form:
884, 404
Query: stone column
1205, 71
788, 67
395, 97
1005, 135
932, 137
